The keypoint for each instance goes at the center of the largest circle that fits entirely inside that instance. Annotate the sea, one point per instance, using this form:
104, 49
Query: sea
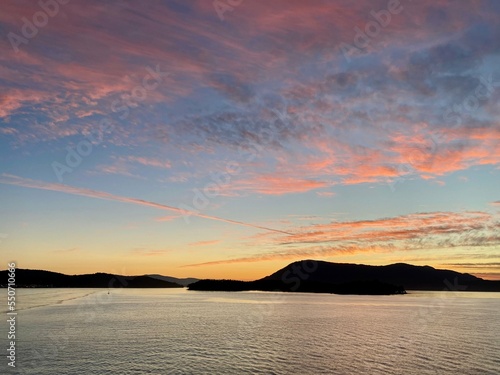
176, 331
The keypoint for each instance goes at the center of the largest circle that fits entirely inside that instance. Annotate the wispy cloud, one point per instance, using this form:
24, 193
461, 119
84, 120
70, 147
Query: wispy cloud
118, 168
475, 265
19, 181
276, 184
347, 124
421, 231
311, 252
128, 165
419, 102
418, 226
150, 162
168, 218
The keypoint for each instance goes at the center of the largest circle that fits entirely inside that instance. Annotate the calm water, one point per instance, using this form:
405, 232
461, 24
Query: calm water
87, 331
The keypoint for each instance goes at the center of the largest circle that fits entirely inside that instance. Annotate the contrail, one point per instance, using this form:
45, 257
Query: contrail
34, 184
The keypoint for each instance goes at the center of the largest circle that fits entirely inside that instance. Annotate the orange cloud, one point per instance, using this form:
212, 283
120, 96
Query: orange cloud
168, 218
435, 153
421, 231
487, 275
294, 255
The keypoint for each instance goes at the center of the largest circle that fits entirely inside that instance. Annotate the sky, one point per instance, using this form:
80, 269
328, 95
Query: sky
228, 138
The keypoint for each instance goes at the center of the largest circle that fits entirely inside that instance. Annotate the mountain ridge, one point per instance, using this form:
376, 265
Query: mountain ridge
26, 278
348, 278
305, 275
182, 281
411, 277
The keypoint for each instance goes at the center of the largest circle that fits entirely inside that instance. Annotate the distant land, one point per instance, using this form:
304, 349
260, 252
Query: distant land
370, 287
46, 279
345, 278
312, 276
184, 282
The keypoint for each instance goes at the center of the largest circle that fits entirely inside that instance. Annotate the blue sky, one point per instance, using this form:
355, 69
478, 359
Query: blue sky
215, 140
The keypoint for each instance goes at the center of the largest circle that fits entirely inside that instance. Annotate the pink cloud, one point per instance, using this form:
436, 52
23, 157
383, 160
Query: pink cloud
117, 168
487, 275
150, 162
96, 65
167, 218
421, 231
277, 184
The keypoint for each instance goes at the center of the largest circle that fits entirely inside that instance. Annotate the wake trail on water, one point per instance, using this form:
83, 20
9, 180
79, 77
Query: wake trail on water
55, 302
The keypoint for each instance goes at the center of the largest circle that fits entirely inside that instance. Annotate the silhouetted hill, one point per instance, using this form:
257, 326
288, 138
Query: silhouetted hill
39, 278
409, 276
184, 282
371, 287
346, 278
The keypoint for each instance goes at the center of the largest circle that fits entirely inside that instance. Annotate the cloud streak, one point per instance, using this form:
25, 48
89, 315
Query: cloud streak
34, 184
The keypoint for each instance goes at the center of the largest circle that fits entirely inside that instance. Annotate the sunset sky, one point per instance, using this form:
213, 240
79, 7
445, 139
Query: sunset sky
228, 138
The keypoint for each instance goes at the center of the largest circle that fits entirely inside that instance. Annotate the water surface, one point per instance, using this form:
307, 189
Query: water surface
172, 331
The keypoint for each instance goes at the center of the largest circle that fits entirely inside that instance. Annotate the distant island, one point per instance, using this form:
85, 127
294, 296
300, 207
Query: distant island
46, 279
345, 278
369, 287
